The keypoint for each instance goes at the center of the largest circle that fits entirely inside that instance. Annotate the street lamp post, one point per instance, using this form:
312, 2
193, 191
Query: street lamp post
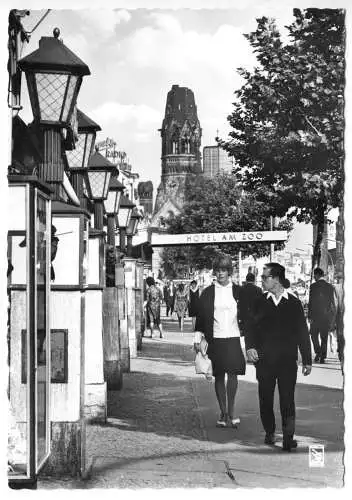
98, 180
112, 205
132, 229
54, 76
125, 212
78, 158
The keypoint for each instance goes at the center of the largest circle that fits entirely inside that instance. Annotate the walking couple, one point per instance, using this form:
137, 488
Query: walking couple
274, 328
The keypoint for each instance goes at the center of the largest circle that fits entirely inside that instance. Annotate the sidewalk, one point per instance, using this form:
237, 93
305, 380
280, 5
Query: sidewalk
161, 429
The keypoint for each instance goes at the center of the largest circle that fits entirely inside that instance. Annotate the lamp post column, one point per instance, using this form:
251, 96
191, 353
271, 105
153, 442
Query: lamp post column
111, 230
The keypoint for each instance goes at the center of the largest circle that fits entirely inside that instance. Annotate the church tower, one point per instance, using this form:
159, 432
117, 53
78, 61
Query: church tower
180, 152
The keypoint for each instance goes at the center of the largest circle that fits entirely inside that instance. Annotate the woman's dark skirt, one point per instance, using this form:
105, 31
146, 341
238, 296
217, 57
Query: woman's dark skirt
227, 356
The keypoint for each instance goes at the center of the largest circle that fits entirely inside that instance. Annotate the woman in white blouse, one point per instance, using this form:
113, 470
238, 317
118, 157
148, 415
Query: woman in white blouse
217, 319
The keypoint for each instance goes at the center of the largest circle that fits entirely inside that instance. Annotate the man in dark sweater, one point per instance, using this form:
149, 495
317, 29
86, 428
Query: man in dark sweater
321, 313
272, 340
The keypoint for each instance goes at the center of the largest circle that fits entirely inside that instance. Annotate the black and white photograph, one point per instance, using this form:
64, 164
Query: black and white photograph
174, 187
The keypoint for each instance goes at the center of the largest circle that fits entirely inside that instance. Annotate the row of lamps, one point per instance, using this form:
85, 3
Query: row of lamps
54, 76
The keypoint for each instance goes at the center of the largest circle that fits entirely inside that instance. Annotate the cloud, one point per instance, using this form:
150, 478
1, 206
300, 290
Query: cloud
164, 45
140, 121
102, 21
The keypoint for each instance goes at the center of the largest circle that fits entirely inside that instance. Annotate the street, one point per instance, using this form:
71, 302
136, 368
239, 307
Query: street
161, 429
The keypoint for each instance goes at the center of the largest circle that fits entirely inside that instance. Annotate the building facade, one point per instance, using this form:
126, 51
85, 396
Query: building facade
216, 161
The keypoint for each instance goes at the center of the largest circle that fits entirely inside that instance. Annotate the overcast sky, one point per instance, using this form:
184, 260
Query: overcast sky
135, 55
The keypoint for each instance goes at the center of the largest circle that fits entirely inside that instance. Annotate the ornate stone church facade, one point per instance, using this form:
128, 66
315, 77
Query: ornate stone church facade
180, 158
180, 152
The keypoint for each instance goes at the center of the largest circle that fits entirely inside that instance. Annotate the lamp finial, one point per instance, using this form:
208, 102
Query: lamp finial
56, 32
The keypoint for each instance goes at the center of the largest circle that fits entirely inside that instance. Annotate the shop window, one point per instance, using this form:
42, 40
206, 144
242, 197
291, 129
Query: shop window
59, 349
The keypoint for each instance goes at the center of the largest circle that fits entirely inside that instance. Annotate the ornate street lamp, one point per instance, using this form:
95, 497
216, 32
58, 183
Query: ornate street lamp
54, 76
78, 158
131, 229
112, 205
124, 215
98, 180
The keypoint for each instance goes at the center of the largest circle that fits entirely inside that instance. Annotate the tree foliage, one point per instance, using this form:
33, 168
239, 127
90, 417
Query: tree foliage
287, 124
217, 205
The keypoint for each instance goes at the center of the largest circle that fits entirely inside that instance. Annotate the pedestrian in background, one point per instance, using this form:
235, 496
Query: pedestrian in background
217, 320
193, 301
181, 303
339, 322
154, 298
248, 295
169, 297
321, 313
272, 339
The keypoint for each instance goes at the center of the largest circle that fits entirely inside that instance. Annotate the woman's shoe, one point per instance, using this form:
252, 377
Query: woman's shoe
222, 422
234, 422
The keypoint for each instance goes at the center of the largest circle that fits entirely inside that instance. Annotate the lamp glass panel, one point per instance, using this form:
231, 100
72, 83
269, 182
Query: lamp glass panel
75, 157
131, 226
123, 217
85, 191
51, 93
88, 150
110, 203
69, 96
106, 185
97, 181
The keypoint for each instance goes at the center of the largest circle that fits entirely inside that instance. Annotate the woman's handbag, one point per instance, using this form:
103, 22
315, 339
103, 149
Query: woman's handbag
202, 362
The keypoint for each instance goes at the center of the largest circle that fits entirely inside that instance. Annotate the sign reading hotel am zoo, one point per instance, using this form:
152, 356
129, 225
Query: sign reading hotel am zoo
217, 238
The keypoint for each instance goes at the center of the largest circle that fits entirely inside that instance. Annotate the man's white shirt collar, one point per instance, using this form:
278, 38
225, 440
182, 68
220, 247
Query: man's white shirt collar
229, 285
275, 300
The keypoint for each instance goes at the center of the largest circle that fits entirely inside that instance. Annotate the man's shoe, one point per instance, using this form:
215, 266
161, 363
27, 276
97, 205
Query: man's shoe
322, 361
317, 358
269, 438
289, 444
222, 422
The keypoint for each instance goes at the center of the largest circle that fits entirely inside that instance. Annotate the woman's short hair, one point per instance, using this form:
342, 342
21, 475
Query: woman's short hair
150, 281
223, 261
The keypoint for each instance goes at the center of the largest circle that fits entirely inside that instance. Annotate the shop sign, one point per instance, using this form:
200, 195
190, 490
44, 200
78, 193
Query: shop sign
217, 238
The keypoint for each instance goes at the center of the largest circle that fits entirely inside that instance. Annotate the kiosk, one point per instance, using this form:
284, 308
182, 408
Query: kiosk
29, 344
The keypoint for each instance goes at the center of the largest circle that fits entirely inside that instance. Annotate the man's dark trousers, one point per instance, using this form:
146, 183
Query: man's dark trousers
316, 328
285, 374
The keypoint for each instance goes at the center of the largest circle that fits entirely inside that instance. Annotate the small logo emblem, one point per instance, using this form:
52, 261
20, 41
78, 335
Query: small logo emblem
316, 455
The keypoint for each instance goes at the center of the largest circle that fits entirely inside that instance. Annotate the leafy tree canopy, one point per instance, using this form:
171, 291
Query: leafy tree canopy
288, 119
218, 205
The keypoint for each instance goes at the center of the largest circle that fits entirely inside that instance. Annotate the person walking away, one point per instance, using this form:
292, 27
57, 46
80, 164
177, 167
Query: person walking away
248, 294
217, 320
321, 314
169, 297
153, 306
193, 301
165, 294
272, 340
339, 322
181, 302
